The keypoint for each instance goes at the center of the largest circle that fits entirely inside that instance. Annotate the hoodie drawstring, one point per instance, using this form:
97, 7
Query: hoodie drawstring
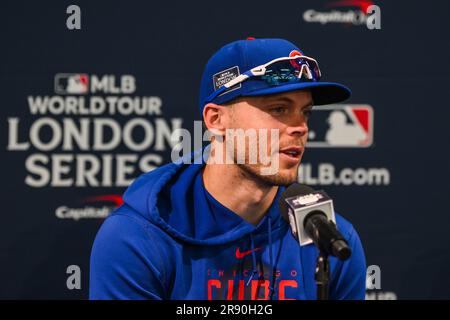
271, 276
254, 266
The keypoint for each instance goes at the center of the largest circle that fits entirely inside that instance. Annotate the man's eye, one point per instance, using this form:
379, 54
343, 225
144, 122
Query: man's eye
307, 112
278, 110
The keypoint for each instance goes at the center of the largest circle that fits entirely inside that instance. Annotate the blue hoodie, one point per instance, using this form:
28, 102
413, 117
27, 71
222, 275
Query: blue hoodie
172, 240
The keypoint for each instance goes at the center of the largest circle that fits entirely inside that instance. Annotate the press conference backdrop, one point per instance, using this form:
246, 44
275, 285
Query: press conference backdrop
85, 111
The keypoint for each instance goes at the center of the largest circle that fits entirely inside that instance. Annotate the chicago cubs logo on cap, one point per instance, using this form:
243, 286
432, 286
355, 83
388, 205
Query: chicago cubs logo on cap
295, 53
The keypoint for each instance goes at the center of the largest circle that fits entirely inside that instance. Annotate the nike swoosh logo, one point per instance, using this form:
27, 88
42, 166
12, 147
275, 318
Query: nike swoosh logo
240, 255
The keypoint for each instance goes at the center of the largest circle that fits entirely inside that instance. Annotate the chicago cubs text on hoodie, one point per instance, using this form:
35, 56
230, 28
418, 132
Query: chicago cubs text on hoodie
172, 240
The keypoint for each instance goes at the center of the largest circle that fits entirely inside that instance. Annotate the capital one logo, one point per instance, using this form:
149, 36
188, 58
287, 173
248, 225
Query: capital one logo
341, 126
346, 12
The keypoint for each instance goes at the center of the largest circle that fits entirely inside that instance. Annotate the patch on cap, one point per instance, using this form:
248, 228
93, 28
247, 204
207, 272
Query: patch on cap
225, 76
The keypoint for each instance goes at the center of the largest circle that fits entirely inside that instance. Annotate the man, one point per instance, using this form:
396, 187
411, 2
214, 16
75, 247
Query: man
214, 231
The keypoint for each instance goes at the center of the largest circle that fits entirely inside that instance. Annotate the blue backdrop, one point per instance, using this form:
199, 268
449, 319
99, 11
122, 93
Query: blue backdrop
138, 65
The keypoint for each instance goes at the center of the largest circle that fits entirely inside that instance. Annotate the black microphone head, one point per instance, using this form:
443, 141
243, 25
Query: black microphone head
295, 189
341, 250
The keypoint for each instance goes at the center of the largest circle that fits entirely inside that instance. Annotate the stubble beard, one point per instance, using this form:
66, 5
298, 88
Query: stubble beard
253, 171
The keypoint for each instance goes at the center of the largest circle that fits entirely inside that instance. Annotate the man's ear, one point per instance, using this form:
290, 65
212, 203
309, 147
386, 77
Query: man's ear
215, 118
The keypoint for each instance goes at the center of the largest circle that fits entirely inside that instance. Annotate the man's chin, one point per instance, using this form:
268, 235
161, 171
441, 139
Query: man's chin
279, 177
285, 177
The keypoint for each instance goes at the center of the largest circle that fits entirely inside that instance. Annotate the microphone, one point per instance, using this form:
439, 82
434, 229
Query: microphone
311, 216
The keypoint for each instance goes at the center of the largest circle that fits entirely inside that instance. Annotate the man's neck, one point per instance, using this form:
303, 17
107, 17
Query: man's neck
247, 197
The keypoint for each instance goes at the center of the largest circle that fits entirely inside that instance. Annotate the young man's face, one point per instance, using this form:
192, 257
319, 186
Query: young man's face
288, 114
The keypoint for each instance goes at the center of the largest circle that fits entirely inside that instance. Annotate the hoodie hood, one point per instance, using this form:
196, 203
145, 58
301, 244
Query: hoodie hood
173, 198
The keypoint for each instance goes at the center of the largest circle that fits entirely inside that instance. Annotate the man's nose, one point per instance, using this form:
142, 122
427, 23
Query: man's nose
298, 126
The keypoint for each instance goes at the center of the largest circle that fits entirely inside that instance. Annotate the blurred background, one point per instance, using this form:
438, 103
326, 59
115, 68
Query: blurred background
89, 97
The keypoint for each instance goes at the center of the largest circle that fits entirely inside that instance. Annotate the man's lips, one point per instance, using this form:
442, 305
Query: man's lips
293, 151
292, 154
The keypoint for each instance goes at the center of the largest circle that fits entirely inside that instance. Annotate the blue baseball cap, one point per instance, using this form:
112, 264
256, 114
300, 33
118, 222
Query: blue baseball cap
240, 56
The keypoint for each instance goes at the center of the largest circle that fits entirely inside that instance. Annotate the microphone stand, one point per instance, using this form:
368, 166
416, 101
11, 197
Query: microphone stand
322, 275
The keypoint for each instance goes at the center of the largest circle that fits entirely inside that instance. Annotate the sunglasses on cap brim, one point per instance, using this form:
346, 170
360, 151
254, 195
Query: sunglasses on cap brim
276, 72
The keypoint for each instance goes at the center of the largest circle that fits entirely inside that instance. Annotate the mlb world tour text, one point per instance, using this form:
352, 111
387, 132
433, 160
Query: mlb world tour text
79, 140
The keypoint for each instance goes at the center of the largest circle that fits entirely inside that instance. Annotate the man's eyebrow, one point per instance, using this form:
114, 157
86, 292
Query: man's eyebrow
279, 99
289, 100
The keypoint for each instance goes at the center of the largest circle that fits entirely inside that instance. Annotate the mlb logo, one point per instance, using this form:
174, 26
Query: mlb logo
341, 126
71, 83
